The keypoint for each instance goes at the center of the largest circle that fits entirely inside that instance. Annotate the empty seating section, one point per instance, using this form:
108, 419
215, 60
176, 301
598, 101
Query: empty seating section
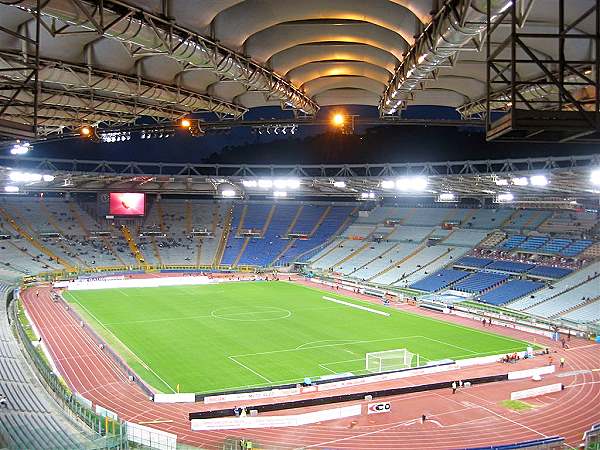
487, 219
451, 254
381, 214
472, 261
510, 290
465, 238
331, 224
410, 265
359, 231
564, 285
555, 245
512, 242
480, 282
427, 216
545, 245
586, 313
528, 219
374, 250
410, 234
308, 218
262, 251
439, 280
382, 262
576, 247
562, 222
549, 271
534, 243
344, 249
567, 300
234, 243
510, 266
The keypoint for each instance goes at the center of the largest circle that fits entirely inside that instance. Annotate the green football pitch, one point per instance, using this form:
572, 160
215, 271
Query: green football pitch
235, 335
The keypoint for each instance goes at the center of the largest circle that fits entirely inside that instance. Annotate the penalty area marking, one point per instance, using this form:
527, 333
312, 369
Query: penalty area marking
248, 368
364, 308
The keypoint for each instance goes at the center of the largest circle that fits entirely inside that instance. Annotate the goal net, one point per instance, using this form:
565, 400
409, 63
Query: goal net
391, 360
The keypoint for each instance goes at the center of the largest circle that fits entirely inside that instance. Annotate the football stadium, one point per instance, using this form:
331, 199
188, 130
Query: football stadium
327, 224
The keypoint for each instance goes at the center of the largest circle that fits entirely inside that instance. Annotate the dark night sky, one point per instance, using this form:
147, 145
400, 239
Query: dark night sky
316, 145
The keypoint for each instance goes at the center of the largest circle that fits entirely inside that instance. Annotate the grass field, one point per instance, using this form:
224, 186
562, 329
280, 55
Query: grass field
241, 334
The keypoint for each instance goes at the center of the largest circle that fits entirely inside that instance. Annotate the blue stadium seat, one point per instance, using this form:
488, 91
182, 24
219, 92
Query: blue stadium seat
472, 261
510, 290
439, 280
510, 266
480, 282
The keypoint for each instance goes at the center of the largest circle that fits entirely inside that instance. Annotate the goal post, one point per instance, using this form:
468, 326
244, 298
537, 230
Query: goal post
376, 362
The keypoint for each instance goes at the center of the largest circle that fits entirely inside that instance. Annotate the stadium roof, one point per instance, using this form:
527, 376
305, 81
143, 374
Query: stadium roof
167, 58
531, 179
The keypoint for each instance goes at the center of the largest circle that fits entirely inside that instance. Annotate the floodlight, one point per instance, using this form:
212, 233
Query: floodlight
388, 184
250, 183
186, 123
446, 197
228, 193
85, 131
339, 184
418, 183
501, 182
11, 189
280, 194
20, 148
520, 181
595, 177
265, 183
338, 119
538, 180
24, 177
504, 198
48, 178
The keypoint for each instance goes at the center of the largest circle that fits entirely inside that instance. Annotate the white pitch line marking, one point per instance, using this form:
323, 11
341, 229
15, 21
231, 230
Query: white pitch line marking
248, 368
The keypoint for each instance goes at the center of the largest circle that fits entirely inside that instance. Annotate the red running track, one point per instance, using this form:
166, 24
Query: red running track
472, 417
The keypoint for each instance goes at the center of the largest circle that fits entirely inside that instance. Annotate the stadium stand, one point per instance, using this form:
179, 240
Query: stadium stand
439, 280
474, 262
31, 419
480, 282
549, 271
586, 313
510, 266
527, 219
510, 290
561, 291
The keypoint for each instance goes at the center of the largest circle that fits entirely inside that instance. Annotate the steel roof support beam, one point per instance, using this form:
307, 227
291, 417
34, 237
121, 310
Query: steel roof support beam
146, 93
146, 32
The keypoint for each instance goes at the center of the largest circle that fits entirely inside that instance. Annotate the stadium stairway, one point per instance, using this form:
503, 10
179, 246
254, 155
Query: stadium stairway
242, 250
320, 222
358, 251
189, 214
110, 247
268, 221
376, 257
161, 217
399, 263
42, 248
419, 269
283, 252
510, 218
156, 250
294, 220
132, 245
199, 242
224, 237
75, 213
242, 218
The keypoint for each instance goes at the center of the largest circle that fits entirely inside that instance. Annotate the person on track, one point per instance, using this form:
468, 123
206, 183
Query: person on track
454, 387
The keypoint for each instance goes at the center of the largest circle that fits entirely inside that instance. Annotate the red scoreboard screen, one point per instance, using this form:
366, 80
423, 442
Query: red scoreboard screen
127, 204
